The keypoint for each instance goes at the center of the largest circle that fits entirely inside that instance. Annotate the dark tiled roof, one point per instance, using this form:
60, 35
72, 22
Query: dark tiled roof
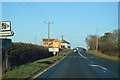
64, 41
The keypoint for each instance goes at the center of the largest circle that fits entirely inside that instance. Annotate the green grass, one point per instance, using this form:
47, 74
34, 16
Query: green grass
103, 55
0, 73
28, 70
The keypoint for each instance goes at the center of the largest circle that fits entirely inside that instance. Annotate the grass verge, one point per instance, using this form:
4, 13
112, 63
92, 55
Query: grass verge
0, 73
103, 55
31, 69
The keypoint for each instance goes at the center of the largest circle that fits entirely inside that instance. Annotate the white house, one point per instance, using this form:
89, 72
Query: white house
65, 44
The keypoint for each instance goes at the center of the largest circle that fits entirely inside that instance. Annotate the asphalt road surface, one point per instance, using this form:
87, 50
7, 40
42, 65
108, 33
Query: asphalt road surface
82, 65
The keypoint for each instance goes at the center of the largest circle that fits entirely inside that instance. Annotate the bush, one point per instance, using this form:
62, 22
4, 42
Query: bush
108, 49
23, 53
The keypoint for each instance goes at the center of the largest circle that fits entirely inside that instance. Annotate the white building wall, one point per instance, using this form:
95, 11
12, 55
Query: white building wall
65, 44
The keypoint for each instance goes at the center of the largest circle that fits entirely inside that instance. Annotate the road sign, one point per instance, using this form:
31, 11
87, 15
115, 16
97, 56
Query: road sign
5, 43
54, 53
56, 44
6, 33
5, 26
53, 49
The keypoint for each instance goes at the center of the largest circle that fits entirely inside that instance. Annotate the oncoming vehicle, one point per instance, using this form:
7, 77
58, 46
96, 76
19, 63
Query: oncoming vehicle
75, 50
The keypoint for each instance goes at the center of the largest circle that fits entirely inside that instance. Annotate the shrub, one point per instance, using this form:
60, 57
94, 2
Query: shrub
23, 53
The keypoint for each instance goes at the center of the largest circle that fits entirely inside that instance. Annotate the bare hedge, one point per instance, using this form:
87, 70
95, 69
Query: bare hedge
23, 53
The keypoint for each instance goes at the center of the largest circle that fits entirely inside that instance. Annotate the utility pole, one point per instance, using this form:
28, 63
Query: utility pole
97, 40
6, 60
48, 30
62, 37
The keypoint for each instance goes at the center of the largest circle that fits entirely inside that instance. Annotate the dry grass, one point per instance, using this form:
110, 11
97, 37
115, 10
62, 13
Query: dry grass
0, 73
103, 55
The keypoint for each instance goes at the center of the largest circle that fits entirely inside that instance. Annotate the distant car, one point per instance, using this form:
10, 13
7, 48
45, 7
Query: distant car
75, 50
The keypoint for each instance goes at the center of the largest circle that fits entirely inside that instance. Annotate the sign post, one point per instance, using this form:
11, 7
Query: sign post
5, 31
54, 50
54, 53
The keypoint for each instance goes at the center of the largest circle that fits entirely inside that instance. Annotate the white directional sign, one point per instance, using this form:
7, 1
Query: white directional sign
53, 49
6, 33
5, 26
5, 29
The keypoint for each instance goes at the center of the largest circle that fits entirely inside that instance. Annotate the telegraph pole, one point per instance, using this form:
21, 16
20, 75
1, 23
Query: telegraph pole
6, 60
48, 30
97, 40
62, 37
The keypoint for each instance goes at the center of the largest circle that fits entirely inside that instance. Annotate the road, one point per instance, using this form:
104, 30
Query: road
82, 65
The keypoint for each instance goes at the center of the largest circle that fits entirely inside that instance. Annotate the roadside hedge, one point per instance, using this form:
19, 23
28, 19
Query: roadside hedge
23, 53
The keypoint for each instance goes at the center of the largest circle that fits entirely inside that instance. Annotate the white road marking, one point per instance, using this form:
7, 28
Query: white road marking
47, 68
85, 57
99, 66
92, 57
92, 62
82, 55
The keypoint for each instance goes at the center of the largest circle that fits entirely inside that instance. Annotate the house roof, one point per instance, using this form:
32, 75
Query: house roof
57, 40
64, 41
45, 40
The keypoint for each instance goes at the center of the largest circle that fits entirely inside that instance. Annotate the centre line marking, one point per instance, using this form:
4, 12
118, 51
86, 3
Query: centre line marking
98, 66
81, 55
85, 58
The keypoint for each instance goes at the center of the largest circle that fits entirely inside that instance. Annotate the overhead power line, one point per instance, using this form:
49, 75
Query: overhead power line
40, 10
114, 23
36, 13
